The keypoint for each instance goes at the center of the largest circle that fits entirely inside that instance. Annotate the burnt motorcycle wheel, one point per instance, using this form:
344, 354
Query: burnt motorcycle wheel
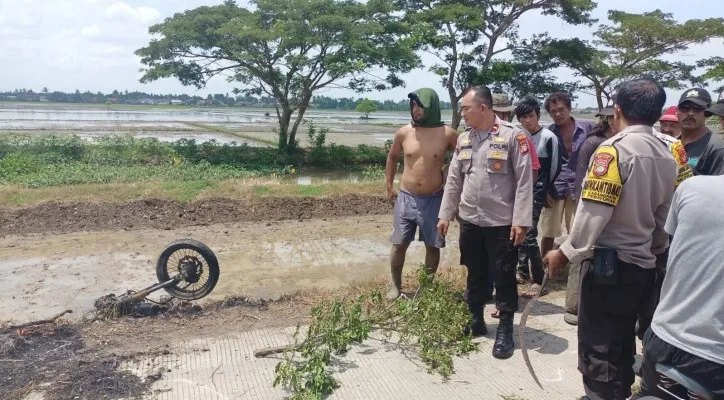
195, 265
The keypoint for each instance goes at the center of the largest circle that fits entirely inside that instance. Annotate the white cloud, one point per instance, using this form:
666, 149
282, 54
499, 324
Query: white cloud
91, 31
119, 10
90, 44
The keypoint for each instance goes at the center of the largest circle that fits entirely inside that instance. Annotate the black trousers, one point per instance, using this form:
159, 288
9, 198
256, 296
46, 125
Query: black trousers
646, 317
530, 251
607, 315
483, 248
706, 373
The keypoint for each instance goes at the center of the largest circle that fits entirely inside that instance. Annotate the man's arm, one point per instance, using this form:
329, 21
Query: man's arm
596, 206
554, 153
453, 188
591, 218
392, 158
584, 158
672, 221
452, 140
523, 171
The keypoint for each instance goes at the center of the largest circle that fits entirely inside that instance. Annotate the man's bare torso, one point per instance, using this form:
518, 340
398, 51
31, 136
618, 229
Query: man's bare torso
424, 154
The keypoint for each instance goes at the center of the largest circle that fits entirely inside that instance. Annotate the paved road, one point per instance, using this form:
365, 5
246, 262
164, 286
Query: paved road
227, 369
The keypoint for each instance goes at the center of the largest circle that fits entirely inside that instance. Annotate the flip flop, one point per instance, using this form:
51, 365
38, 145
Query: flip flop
532, 290
495, 314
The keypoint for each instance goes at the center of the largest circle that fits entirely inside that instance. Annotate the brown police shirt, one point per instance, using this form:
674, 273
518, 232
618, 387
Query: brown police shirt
625, 199
490, 178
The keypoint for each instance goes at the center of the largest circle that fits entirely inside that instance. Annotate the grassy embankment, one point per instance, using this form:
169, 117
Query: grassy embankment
34, 169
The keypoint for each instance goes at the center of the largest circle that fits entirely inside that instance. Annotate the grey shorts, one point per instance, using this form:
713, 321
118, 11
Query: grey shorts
412, 211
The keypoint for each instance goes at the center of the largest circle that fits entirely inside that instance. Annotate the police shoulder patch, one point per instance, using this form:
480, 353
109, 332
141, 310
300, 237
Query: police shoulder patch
522, 143
679, 153
603, 183
683, 170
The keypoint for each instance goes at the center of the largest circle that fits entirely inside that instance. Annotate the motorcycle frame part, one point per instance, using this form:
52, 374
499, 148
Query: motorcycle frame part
138, 296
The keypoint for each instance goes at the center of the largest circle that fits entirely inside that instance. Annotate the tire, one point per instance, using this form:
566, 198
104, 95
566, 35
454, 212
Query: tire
212, 270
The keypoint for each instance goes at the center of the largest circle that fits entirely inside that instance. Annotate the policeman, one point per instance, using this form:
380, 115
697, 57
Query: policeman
490, 181
617, 234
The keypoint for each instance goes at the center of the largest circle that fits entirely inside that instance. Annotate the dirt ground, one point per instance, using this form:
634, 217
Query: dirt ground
55, 217
291, 252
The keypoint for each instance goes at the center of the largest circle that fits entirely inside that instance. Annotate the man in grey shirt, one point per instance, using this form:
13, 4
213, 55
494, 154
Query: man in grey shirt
687, 331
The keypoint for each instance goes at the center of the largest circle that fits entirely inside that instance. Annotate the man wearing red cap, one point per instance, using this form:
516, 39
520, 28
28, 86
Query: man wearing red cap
669, 122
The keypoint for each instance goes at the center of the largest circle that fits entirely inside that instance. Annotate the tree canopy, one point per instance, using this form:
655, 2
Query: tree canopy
633, 46
366, 106
286, 49
467, 36
714, 72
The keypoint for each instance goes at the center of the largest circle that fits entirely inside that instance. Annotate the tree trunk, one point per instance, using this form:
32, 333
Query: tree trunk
284, 118
599, 98
300, 115
456, 118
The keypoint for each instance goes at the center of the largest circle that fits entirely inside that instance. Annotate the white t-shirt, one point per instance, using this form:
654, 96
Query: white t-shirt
690, 314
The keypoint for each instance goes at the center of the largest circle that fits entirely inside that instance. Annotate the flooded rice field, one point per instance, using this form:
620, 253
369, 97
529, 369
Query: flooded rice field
231, 126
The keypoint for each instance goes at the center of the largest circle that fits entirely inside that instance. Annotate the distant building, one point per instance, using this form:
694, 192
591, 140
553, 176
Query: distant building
177, 102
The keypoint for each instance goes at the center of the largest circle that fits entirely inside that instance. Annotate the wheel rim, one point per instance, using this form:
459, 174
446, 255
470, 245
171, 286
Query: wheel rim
191, 267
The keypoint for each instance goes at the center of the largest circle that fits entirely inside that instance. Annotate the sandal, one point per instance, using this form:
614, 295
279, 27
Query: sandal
532, 291
495, 314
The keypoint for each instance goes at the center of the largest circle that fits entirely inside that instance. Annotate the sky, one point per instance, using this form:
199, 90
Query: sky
89, 44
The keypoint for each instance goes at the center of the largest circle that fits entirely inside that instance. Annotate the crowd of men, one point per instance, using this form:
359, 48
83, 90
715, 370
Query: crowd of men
643, 253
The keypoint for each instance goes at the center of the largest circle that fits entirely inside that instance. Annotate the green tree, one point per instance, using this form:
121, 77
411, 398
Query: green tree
286, 49
466, 36
633, 46
366, 106
715, 70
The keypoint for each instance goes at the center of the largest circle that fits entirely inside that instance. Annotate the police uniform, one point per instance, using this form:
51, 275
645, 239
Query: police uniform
490, 186
684, 171
617, 234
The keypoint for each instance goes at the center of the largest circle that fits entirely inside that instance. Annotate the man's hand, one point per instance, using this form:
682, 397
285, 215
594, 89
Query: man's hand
517, 234
555, 260
391, 194
549, 202
442, 227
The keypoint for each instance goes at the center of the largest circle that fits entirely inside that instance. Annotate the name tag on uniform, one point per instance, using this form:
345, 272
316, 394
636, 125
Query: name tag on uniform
498, 139
465, 154
498, 146
498, 155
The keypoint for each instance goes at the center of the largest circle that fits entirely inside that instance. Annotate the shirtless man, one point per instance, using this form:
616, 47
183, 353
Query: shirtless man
424, 142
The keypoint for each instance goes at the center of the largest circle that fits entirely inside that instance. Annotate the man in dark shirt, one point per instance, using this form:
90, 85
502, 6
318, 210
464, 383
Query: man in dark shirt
704, 149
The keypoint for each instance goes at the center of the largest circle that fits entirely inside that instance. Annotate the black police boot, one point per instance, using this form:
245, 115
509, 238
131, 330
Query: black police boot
504, 345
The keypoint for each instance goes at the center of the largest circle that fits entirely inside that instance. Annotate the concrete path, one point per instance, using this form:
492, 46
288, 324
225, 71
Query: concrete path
227, 369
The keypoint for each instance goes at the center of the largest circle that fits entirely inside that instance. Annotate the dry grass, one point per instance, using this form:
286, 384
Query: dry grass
16, 196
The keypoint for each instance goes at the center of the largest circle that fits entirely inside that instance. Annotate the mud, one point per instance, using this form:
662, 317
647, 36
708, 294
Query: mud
54, 217
44, 274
